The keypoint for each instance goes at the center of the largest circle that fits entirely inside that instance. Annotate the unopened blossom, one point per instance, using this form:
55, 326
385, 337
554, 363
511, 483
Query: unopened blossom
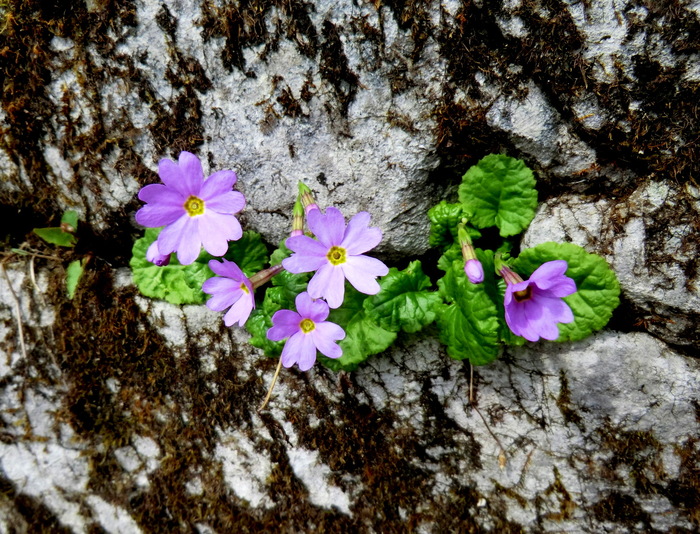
474, 271
534, 307
155, 257
337, 255
472, 266
307, 331
195, 211
230, 289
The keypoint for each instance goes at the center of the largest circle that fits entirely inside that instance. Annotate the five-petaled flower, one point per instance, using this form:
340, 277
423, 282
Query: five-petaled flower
231, 288
534, 307
195, 211
337, 255
308, 331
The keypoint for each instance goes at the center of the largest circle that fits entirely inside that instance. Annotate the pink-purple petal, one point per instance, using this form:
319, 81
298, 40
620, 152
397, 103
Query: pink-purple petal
230, 202
359, 238
329, 227
170, 236
308, 307
360, 279
325, 336
214, 232
161, 194
561, 287
181, 236
557, 309
307, 353
227, 268
548, 272
285, 323
328, 283
171, 175
304, 245
192, 174
299, 349
155, 215
361, 272
240, 311
217, 184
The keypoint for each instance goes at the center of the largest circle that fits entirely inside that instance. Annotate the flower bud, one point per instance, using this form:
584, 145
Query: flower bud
474, 271
307, 198
298, 218
472, 266
155, 257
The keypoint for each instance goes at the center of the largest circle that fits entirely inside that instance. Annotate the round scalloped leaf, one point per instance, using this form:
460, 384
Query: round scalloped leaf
404, 302
176, 283
444, 219
363, 336
598, 290
469, 324
500, 191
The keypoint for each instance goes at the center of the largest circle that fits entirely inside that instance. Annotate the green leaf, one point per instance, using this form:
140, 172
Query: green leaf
69, 221
176, 283
403, 303
499, 190
452, 253
444, 219
363, 336
598, 289
73, 274
469, 324
259, 322
56, 236
249, 253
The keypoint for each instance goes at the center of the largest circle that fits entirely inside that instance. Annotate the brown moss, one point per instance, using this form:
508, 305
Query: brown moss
334, 67
564, 403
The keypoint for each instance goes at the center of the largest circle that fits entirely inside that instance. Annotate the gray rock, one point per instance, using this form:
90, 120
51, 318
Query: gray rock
128, 414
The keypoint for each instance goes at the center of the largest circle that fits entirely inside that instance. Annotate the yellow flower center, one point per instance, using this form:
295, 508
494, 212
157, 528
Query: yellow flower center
194, 206
336, 255
307, 325
525, 294
245, 288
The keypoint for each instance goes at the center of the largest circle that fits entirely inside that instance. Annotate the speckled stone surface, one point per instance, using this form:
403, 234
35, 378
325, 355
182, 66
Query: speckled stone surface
128, 415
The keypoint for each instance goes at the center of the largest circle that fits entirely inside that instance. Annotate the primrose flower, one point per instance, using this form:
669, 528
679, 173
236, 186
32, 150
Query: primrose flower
231, 288
195, 211
308, 331
155, 257
337, 255
534, 307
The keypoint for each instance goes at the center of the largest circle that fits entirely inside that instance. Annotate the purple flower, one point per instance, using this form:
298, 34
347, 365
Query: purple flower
308, 331
231, 289
155, 257
337, 255
474, 271
535, 306
195, 211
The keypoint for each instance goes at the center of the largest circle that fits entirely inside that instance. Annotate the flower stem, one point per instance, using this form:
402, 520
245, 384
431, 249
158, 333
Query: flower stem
272, 385
265, 275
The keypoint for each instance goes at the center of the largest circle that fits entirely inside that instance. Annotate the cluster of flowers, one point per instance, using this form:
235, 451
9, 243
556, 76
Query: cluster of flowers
533, 307
197, 212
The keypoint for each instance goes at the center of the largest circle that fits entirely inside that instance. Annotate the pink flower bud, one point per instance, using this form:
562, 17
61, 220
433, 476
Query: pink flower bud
474, 271
155, 257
